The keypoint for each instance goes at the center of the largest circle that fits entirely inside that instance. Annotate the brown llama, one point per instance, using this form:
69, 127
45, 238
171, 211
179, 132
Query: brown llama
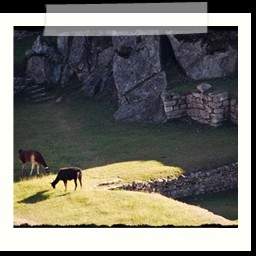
68, 173
35, 158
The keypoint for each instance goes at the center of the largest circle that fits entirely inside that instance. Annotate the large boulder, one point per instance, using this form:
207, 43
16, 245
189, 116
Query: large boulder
90, 59
206, 56
42, 70
44, 62
139, 78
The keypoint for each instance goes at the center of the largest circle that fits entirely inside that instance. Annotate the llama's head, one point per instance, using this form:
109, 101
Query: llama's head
47, 169
53, 184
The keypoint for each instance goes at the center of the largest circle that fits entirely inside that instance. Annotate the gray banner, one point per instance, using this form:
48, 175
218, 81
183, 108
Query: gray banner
188, 7
120, 31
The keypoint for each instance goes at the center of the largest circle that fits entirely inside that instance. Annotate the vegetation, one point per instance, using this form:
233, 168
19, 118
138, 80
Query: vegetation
84, 133
80, 132
36, 203
222, 203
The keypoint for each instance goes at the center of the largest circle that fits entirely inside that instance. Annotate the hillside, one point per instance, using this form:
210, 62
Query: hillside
96, 205
80, 132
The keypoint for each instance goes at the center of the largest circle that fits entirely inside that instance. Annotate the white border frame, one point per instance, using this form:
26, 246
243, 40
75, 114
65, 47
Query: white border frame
155, 239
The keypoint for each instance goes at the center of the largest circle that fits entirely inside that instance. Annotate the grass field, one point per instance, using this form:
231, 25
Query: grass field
81, 132
222, 203
84, 133
96, 205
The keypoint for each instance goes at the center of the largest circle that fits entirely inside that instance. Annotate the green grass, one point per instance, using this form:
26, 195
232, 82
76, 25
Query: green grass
82, 132
186, 86
36, 203
222, 203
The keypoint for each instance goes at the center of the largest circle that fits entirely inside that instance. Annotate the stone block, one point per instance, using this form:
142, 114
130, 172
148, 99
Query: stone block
217, 97
193, 112
204, 87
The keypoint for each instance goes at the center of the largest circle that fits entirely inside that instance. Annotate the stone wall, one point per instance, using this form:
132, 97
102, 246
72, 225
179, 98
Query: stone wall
175, 105
201, 182
21, 83
207, 108
234, 111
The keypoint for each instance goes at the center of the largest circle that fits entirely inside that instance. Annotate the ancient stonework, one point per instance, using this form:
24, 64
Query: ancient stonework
234, 111
194, 183
207, 108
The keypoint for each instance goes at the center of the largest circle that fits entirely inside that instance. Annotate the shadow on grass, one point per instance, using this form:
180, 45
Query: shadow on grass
38, 197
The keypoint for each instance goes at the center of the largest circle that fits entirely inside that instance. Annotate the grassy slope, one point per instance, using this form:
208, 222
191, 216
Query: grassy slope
36, 203
83, 133
223, 203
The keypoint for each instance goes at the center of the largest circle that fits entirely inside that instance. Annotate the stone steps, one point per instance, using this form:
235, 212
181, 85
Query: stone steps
42, 89
44, 99
33, 87
38, 93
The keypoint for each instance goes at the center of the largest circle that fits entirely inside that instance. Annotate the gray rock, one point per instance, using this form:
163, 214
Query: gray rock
218, 97
137, 65
29, 53
218, 111
42, 70
62, 44
144, 103
193, 112
58, 100
147, 111
138, 78
76, 50
105, 57
233, 102
204, 114
204, 87
176, 114
44, 63
200, 63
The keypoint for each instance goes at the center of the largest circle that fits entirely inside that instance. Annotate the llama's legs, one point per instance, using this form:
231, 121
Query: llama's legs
32, 168
65, 184
38, 166
75, 184
80, 180
23, 169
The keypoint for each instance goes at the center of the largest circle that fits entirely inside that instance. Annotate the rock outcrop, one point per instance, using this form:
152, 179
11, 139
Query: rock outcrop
139, 78
44, 63
90, 58
128, 69
206, 56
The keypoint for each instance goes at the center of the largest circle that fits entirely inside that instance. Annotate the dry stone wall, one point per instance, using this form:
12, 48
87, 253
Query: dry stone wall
207, 108
234, 111
194, 183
